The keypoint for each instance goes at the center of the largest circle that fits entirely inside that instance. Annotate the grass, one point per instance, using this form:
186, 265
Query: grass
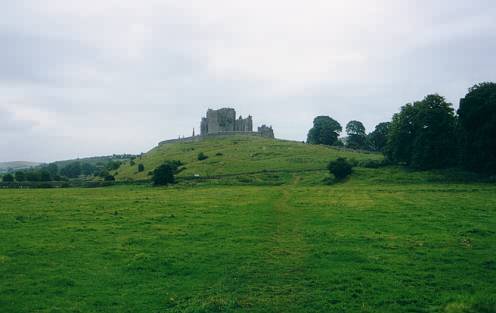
262, 234
238, 154
361, 246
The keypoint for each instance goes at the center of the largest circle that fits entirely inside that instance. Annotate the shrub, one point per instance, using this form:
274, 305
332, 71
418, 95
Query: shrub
371, 163
219, 154
163, 175
132, 163
202, 156
141, 167
340, 168
109, 178
8, 178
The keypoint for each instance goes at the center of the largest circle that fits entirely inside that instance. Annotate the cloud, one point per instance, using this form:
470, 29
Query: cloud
98, 77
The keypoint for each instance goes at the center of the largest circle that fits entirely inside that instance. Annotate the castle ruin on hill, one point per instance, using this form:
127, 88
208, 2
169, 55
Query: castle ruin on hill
224, 122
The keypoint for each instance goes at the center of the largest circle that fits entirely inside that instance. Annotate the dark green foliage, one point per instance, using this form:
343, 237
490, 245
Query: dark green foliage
20, 176
109, 178
33, 175
53, 169
422, 135
8, 178
477, 123
71, 170
378, 138
325, 131
219, 154
356, 135
141, 167
132, 163
113, 165
201, 156
340, 168
45, 176
87, 169
163, 175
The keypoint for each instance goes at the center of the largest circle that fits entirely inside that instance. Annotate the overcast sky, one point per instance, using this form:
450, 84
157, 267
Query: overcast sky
96, 77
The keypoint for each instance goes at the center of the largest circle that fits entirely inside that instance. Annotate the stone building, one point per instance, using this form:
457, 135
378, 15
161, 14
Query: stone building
266, 131
224, 121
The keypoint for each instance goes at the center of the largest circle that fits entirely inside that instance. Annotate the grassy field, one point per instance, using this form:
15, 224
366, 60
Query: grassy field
366, 245
238, 154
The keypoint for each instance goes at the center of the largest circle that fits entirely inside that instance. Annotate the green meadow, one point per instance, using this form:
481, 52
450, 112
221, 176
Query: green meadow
272, 237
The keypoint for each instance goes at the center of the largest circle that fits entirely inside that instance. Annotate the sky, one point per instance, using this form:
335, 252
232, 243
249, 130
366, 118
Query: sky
98, 77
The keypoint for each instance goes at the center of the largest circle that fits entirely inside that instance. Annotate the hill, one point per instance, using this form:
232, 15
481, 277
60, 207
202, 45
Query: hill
238, 155
16, 165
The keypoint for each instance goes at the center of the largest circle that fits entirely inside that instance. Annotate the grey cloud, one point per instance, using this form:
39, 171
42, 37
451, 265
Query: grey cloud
118, 76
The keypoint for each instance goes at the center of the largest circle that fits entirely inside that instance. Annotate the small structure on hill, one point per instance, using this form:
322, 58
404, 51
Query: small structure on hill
223, 121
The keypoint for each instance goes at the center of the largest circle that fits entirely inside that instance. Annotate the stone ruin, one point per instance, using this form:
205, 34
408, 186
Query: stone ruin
223, 121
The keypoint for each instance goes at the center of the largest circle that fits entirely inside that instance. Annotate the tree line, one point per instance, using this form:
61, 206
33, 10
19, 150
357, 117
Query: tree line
71, 170
427, 134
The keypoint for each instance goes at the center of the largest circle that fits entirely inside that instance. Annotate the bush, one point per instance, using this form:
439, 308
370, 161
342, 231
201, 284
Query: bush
202, 156
109, 178
371, 163
219, 154
8, 178
141, 167
163, 175
340, 168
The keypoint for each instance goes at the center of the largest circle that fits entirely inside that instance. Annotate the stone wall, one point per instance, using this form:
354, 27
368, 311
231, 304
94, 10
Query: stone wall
266, 131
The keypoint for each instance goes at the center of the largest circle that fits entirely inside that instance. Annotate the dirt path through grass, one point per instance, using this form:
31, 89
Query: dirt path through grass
286, 258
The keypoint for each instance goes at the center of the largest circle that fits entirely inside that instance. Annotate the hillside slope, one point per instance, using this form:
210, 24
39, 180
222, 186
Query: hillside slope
16, 165
229, 155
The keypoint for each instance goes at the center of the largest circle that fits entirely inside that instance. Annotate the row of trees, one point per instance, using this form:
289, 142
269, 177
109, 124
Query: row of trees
52, 172
427, 134
326, 131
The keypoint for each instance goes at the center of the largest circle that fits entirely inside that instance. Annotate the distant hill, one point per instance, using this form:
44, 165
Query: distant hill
16, 165
235, 154
97, 159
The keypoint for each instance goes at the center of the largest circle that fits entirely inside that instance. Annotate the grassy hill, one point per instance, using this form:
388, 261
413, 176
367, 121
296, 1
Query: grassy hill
231, 155
16, 165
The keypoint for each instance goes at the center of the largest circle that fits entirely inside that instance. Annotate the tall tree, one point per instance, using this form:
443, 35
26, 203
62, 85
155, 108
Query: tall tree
422, 135
356, 135
325, 131
477, 123
378, 138
435, 141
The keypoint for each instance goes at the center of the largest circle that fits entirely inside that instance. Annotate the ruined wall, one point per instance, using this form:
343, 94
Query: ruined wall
244, 124
266, 131
222, 120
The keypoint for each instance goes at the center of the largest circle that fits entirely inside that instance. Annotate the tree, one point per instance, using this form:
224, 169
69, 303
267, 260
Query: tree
163, 175
88, 169
20, 176
45, 175
422, 135
141, 167
325, 131
53, 169
356, 135
71, 170
33, 175
435, 141
8, 178
340, 168
477, 124
378, 138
